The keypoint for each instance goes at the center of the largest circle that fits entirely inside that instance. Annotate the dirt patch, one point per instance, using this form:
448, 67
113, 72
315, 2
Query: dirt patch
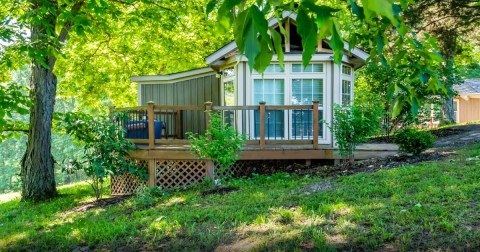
317, 187
247, 244
220, 190
101, 203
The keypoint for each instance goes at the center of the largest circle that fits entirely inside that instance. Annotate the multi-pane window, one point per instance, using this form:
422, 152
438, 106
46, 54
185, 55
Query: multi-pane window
272, 91
272, 68
304, 92
346, 70
346, 92
310, 68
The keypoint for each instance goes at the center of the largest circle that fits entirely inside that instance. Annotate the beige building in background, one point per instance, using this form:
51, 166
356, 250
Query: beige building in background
467, 103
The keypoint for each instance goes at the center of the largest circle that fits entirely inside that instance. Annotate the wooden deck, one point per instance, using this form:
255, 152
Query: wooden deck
166, 152
303, 144
273, 152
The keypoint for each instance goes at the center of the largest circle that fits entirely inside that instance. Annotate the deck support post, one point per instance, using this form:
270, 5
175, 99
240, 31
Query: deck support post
210, 166
262, 125
315, 124
208, 109
151, 173
151, 124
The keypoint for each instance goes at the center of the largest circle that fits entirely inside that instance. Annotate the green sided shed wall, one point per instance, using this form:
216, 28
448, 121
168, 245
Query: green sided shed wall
187, 92
193, 92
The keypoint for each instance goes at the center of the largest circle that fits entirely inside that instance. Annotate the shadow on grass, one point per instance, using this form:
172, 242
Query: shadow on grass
427, 206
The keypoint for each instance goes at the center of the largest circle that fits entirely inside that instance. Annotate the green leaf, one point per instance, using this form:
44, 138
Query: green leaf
225, 14
263, 59
307, 30
380, 43
336, 43
397, 107
277, 42
357, 10
260, 24
210, 6
246, 37
414, 105
380, 7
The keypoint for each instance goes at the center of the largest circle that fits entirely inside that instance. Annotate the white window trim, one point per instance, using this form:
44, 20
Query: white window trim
457, 115
288, 75
347, 78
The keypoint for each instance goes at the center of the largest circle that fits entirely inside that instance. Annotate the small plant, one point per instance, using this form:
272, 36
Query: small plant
146, 197
105, 148
414, 141
221, 143
352, 125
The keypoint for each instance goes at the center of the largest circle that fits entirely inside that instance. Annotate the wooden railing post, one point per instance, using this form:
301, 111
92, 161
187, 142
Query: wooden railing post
208, 109
315, 124
262, 125
178, 122
151, 124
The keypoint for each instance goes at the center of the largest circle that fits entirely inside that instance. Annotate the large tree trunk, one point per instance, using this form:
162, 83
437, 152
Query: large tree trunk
37, 164
447, 109
38, 176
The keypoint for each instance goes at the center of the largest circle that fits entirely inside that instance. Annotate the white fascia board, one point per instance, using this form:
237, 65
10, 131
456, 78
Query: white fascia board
221, 52
159, 79
298, 58
467, 97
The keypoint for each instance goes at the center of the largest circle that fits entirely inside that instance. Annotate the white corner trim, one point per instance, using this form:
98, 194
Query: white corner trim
139, 90
159, 79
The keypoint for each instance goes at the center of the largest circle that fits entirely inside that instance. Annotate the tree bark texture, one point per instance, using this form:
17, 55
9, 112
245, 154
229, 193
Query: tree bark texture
38, 175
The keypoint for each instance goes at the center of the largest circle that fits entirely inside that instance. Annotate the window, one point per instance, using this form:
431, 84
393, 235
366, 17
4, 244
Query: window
346, 70
304, 92
272, 68
272, 91
310, 68
346, 92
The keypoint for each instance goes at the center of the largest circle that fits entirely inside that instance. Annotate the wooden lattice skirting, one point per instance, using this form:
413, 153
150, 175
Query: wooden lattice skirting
173, 174
126, 184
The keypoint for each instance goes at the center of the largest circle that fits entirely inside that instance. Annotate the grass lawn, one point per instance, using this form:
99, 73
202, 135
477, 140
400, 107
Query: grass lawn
430, 205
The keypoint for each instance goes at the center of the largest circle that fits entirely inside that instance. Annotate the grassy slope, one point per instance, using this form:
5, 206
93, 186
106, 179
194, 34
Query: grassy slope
431, 205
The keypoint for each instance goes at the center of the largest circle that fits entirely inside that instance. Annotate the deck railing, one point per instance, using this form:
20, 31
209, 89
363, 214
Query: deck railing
262, 124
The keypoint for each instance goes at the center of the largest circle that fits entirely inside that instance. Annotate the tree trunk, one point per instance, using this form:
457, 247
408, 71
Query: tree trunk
447, 110
37, 173
37, 164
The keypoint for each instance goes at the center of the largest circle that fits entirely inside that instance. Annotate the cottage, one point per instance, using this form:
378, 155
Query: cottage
467, 104
283, 112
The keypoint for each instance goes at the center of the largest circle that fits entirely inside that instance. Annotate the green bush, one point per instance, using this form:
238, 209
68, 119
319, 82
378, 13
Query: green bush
414, 141
105, 148
353, 124
221, 143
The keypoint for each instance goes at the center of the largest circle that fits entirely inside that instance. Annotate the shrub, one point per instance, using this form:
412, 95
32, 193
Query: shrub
414, 141
352, 125
105, 148
221, 143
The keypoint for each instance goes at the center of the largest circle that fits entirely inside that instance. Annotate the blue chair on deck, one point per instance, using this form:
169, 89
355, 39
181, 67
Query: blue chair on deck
138, 129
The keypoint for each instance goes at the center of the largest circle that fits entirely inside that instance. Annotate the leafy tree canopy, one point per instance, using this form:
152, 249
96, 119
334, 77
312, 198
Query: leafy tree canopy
374, 24
112, 40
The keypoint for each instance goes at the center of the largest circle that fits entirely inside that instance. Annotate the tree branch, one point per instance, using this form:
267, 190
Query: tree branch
16, 130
